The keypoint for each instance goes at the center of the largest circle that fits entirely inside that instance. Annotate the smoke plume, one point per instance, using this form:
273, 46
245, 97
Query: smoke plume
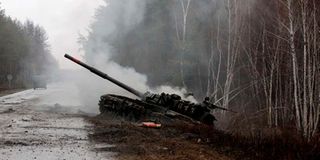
126, 14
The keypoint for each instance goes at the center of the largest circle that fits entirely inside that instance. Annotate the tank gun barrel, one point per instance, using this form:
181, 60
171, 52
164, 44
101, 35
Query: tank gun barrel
212, 106
105, 76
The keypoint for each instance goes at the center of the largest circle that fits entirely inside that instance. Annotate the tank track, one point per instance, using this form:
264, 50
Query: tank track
122, 106
135, 110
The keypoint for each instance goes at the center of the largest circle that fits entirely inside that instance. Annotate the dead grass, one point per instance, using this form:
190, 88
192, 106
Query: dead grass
270, 143
181, 141
4, 92
133, 142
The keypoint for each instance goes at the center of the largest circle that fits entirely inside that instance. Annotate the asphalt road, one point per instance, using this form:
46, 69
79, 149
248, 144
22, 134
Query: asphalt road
41, 124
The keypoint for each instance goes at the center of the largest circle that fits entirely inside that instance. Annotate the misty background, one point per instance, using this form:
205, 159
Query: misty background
63, 21
258, 58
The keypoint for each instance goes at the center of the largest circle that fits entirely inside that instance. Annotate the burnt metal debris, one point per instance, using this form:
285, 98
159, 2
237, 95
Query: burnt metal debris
150, 103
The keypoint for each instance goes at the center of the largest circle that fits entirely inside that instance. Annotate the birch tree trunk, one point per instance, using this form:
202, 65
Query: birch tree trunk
232, 50
306, 87
181, 35
294, 65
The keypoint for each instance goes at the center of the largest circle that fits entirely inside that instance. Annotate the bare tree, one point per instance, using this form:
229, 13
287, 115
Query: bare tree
302, 21
232, 48
181, 31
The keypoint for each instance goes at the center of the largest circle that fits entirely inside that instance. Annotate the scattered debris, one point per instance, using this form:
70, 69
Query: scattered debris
26, 119
11, 143
151, 125
10, 110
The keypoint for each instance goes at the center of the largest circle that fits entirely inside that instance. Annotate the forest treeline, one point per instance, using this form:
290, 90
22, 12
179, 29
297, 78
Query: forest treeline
24, 52
257, 57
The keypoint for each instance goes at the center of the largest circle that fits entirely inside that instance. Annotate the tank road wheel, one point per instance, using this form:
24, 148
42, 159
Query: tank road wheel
131, 116
128, 108
208, 119
102, 108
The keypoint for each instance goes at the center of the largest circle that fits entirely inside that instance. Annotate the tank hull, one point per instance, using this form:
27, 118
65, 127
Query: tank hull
137, 110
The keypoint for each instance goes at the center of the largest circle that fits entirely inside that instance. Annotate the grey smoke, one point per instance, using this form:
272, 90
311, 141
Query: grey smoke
99, 55
90, 87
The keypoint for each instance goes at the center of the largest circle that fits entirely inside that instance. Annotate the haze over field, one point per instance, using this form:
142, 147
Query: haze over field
63, 20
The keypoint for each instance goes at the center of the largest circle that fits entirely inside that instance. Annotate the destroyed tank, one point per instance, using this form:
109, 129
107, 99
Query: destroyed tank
150, 104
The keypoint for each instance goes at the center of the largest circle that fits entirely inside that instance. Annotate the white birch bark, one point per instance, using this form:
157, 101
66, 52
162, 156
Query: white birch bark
294, 64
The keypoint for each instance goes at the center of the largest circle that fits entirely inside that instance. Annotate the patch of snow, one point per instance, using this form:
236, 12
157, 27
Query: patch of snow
17, 98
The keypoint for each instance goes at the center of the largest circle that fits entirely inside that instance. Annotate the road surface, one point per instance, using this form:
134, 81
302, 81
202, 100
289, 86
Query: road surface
46, 124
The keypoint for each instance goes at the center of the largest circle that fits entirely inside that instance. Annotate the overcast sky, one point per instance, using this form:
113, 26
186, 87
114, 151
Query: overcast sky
63, 20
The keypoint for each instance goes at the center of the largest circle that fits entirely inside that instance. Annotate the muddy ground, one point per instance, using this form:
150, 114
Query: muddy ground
28, 133
32, 133
135, 142
30, 129
34, 126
